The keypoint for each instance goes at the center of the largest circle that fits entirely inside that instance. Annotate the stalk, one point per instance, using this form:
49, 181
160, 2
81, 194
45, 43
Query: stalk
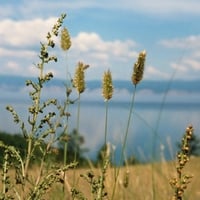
137, 76
124, 141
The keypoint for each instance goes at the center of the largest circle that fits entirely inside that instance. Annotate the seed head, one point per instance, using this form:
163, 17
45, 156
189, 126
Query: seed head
107, 85
138, 68
65, 39
79, 77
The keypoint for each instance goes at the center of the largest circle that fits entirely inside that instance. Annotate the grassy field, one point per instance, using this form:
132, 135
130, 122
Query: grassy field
139, 184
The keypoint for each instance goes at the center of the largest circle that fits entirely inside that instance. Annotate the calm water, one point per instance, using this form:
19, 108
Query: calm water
150, 125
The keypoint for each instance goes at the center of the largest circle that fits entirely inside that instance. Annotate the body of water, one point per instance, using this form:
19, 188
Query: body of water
152, 124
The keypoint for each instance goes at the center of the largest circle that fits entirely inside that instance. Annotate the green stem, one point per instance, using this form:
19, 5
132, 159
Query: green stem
65, 153
5, 170
124, 141
33, 128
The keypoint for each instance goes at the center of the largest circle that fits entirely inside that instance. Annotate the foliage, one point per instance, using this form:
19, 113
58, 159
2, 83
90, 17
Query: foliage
40, 134
74, 142
39, 137
181, 181
131, 160
194, 145
101, 154
15, 140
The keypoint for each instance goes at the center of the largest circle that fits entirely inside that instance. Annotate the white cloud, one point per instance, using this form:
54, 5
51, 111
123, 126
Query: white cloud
90, 48
153, 73
13, 66
179, 67
187, 68
86, 42
187, 64
151, 6
97, 51
25, 32
164, 7
193, 64
20, 53
154, 7
189, 42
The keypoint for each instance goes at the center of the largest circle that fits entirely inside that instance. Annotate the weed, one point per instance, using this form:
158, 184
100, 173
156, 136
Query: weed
180, 183
42, 133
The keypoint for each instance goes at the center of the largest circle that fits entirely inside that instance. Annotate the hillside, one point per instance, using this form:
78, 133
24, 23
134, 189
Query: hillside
14, 82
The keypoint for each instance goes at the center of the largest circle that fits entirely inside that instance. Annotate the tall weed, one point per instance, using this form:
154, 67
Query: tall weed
42, 133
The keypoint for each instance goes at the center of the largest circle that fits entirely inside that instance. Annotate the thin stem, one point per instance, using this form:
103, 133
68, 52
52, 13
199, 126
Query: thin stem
78, 124
33, 128
128, 125
5, 169
77, 128
155, 135
124, 141
106, 124
65, 153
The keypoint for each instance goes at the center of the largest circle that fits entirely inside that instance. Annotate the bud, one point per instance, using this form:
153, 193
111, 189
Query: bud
107, 86
79, 77
138, 69
65, 39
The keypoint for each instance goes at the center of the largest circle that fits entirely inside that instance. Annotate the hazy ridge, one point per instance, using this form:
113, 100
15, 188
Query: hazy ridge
16, 82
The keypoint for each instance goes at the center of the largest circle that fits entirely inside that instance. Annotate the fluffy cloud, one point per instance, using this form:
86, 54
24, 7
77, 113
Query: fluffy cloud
164, 7
98, 51
189, 42
19, 46
18, 53
188, 65
25, 32
154, 7
153, 73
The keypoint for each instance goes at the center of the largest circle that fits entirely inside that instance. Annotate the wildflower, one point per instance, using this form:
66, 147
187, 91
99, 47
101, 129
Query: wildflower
180, 183
65, 39
79, 78
138, 69
107, 86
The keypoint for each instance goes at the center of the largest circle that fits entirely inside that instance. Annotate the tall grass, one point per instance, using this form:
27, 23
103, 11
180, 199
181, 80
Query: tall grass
106, 182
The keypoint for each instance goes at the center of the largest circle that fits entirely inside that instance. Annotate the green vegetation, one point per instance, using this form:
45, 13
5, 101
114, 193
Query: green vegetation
45, 156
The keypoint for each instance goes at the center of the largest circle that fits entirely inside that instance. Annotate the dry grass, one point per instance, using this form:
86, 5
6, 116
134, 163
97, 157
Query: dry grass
139, 182
132, 182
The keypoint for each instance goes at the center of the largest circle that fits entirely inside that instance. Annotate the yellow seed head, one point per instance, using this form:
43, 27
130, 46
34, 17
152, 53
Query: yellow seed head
79, 77
138, 68
107, 85
65, 39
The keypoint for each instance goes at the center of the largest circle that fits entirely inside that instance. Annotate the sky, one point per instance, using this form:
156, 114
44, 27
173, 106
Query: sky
105, 35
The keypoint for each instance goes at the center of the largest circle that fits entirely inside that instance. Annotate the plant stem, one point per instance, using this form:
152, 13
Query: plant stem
106, 124
78, 124
65, 153
36, 103
5, 169
155, 132
124, 141
77, 128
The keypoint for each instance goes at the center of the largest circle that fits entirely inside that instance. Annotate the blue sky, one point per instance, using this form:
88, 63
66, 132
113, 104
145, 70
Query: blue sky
105, 34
